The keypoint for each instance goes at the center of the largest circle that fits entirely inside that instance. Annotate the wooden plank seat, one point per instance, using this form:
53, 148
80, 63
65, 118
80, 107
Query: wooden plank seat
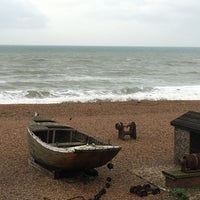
68, 144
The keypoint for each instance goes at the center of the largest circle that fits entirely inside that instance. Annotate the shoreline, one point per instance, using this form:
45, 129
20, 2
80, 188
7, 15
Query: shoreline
152, 150
102, 101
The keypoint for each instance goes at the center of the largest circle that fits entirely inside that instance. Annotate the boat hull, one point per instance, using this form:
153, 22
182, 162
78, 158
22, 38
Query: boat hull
74, 158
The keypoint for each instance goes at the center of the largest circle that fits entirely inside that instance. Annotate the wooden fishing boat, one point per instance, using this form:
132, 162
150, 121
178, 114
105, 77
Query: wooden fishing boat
62, 147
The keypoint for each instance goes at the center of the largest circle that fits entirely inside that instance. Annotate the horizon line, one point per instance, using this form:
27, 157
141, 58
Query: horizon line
129, 46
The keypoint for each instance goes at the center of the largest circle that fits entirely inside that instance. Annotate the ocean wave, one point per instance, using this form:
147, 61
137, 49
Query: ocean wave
37, 94
38, 59
124, 94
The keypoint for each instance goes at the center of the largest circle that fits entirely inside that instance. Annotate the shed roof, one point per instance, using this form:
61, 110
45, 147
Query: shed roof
188, 121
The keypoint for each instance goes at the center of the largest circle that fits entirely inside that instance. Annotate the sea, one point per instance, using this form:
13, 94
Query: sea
62, 74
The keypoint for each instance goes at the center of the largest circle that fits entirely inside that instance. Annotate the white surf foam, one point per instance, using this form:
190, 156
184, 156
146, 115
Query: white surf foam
154, 94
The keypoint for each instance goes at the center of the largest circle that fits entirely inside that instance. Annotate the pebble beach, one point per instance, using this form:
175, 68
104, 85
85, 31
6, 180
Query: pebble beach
140, 161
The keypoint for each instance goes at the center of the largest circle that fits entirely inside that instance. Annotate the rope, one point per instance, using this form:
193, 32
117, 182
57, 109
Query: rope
80, 197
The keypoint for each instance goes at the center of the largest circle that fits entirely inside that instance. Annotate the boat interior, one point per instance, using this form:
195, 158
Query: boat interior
62, 136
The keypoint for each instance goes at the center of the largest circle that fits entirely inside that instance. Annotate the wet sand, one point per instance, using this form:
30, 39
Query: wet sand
139, 161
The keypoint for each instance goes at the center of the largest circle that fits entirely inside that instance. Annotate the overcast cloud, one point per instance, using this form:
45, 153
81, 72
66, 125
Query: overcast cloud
16, 14
100, 22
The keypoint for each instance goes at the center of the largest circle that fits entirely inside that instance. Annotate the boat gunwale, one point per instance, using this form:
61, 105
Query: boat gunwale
74, 149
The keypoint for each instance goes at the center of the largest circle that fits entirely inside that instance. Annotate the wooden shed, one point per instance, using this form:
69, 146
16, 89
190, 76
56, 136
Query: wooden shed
186, 134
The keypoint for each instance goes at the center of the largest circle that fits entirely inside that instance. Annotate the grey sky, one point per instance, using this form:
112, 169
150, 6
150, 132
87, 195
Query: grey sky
100, 22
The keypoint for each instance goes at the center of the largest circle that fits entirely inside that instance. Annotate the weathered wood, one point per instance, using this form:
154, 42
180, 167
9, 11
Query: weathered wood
68, 144
188, 121
179, 179
62, 147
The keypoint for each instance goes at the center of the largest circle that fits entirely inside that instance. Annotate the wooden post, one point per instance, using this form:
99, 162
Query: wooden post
70, 136
48, 137
54, 134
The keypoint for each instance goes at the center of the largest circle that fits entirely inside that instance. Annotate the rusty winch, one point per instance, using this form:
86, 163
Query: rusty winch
190, 162
126, 129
